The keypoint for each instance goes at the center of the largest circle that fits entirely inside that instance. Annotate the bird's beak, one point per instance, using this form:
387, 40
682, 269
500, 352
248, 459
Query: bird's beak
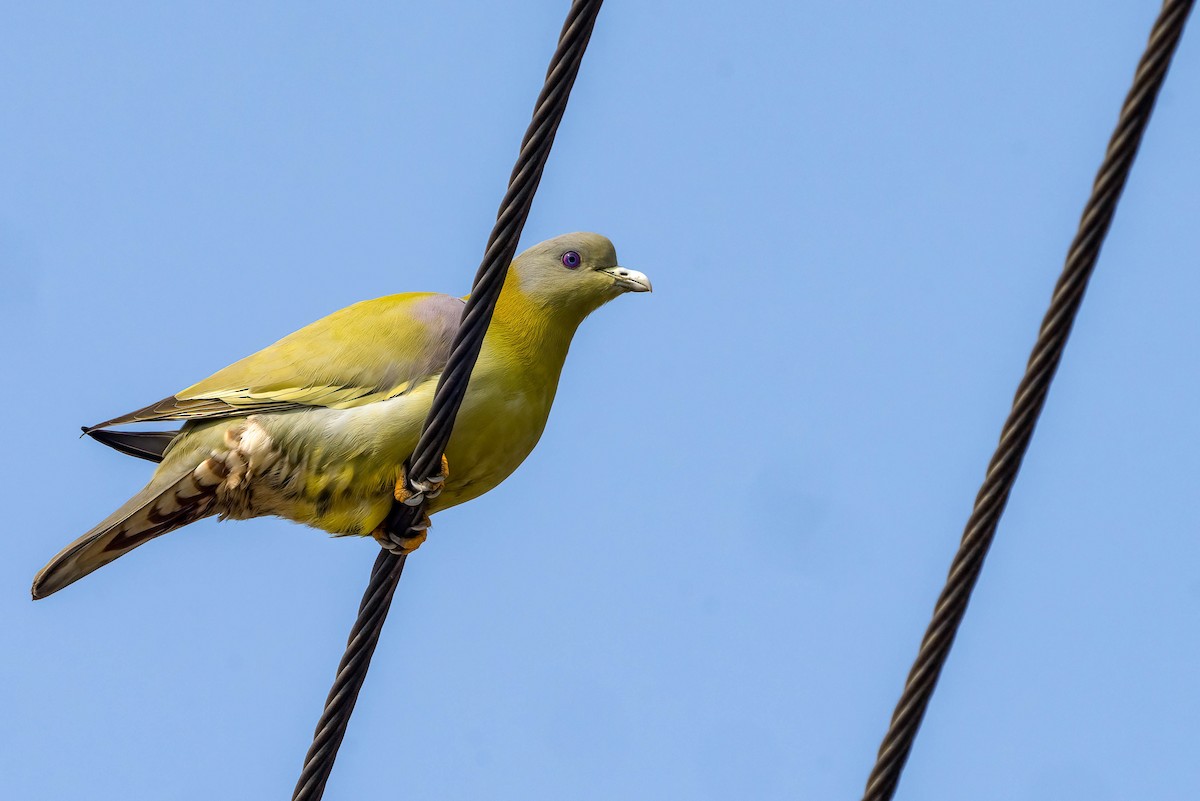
628, 280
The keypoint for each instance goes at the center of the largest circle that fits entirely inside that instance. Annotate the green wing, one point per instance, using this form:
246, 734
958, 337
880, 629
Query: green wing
367, 352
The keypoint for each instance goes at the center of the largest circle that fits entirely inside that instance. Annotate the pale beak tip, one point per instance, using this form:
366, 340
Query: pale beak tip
630, 280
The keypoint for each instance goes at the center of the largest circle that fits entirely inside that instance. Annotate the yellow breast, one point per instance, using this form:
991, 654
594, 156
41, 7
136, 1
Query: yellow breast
509, 398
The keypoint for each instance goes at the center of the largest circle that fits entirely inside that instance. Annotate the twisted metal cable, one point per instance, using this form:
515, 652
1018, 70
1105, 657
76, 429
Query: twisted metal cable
1029, 400
452, 386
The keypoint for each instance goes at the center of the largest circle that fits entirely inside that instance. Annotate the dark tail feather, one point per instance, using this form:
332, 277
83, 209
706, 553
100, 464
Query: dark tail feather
168, 503
142, 444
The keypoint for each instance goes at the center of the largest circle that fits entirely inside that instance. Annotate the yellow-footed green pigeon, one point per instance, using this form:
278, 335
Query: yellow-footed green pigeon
316, 428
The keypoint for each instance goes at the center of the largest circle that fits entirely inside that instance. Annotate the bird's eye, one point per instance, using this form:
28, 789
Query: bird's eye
571, 260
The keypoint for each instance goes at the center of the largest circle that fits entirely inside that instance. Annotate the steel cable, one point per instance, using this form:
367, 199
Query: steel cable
1028, 401
452, 386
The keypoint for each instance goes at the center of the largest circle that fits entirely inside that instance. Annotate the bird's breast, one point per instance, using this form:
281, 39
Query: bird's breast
502, 417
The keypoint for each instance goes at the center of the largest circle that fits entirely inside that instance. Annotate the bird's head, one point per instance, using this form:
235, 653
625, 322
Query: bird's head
574, 274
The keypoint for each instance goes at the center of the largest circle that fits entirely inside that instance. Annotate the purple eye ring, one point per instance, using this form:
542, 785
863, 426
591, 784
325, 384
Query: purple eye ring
571, 260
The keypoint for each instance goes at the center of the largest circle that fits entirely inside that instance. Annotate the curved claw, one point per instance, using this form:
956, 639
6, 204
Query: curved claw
403, 545
420, 492
430, 487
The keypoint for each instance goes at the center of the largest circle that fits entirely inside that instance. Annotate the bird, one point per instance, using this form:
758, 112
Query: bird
316, 428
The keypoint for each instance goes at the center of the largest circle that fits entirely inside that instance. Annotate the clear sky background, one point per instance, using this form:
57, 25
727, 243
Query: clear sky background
709, 580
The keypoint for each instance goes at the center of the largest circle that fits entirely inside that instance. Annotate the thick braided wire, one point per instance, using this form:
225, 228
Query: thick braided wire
1028, 402
502, 244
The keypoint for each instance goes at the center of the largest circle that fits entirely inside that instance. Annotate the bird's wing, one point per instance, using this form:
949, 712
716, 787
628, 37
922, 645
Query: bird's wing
367, 352
149, 445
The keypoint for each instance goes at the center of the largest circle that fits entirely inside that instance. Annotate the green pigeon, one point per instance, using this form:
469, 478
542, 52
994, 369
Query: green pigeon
316, 428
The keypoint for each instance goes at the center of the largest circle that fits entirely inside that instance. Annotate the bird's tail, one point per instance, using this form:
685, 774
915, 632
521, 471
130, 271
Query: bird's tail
170, 501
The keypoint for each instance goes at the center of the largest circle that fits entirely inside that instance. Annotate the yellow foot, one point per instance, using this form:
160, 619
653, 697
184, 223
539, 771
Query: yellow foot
430, 488
402, 546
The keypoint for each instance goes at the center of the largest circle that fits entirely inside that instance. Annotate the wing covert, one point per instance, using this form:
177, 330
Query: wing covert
371, 351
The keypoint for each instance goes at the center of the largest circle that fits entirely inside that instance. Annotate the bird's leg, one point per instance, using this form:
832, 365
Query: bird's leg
431, 488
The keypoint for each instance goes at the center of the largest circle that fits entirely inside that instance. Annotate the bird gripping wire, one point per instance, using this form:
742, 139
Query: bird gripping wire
452, 386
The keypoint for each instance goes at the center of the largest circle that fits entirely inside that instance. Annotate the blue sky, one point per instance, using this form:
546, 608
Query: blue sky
710, 578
